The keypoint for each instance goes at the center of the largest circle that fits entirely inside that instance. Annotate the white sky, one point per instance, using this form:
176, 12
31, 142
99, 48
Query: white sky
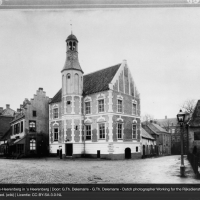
161, 46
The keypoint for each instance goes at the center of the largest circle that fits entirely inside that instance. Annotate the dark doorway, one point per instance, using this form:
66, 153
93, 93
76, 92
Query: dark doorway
143, 150
127, 153
98, 154
69, 149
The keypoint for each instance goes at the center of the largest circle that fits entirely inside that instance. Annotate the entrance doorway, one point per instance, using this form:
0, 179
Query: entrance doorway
69, 149
127, 153
143, 150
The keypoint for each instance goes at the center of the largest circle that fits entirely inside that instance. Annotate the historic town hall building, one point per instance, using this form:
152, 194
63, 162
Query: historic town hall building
95, 115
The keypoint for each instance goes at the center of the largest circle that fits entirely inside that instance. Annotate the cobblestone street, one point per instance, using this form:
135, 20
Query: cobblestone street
53, 170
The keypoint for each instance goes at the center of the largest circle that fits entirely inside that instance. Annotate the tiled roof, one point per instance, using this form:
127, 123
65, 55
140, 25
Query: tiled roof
6, 135
57, 97
8, 112
146, 135
167, 122
195, 120
18, 117
156, 128
94, 82
98, 81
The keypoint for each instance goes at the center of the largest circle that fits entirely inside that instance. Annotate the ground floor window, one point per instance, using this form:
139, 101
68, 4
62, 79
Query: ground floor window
20, 148
101, 131
88, 132
55, 134
32, 144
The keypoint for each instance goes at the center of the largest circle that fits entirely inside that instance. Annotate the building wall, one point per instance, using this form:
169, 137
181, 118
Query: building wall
40, 104
74, 119
4, 124
192, 142
146, 146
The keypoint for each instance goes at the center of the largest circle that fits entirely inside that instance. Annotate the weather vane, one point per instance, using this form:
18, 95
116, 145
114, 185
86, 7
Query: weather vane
71, 25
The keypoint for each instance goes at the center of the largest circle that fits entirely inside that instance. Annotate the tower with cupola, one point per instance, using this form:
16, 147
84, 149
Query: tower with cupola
72, 90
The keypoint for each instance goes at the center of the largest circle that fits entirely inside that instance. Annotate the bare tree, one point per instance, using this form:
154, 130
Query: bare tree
147, 118
166, 125
189, 106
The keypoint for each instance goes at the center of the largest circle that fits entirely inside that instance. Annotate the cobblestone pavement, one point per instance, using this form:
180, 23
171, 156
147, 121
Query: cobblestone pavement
53, 170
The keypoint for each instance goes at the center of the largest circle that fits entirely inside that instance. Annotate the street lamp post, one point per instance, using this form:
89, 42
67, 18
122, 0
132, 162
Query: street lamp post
181, 119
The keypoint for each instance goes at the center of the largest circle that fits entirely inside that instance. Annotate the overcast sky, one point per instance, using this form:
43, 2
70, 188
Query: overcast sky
161, 46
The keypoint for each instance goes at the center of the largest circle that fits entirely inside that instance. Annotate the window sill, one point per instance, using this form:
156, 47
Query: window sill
101, 112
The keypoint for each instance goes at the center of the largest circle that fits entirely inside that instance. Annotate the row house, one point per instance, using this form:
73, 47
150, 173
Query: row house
172, 126
6, 116
29, 127
148, 144
162, 137
95, 115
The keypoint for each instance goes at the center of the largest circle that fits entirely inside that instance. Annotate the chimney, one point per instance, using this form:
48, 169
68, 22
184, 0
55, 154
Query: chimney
7, 106
1, 109
165, 117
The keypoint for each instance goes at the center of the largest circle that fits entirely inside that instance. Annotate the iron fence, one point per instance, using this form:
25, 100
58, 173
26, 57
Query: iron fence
195, 162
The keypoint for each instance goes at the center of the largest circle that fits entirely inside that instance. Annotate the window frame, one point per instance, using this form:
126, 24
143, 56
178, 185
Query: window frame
134, 105
89, 108
22, 127
119, 107
134, 131
88, 132
56, 108
101, 108
119, 138
99, 130
32, 130
32, 143
55, 139
34, 113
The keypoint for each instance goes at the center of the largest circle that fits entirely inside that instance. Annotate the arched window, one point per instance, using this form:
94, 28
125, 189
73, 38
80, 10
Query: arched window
63, 83
32, 144
76, 83
68, 83
70, 45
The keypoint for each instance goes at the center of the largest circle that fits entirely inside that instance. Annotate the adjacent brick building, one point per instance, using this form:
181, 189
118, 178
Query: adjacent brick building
97, 114
194, 130
30, 127
6, 116
171, 125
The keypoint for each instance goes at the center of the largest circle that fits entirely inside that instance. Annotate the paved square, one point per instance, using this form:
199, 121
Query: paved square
53, 170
